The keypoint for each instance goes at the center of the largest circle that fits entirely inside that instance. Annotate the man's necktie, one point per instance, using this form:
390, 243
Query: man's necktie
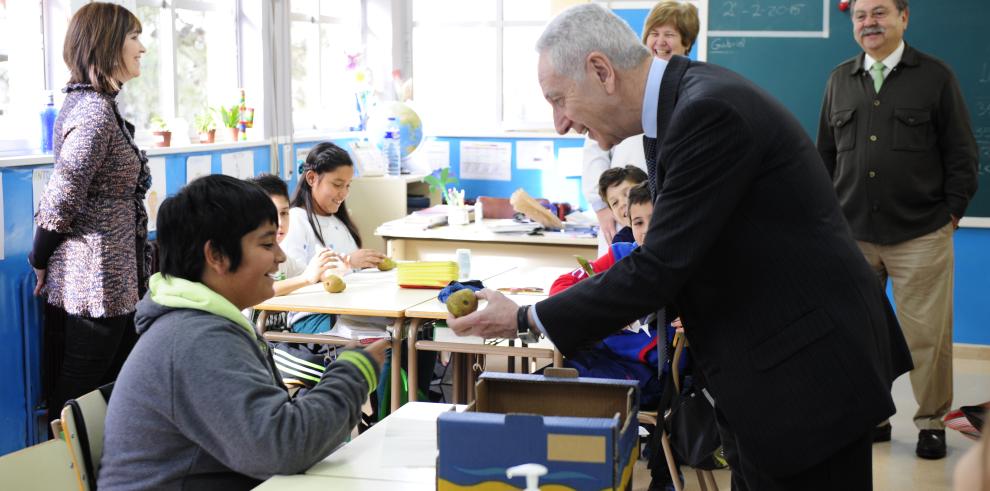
650, 149
877, 71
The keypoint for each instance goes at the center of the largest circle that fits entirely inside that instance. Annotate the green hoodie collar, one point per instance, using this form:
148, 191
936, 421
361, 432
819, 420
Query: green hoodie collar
184, 294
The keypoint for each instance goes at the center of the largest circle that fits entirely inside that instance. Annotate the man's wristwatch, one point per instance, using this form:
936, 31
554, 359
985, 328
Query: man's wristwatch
524, 330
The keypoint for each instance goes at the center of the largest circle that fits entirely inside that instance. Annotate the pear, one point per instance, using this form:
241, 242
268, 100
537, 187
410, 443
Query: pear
334, 284
462, 302
386, 264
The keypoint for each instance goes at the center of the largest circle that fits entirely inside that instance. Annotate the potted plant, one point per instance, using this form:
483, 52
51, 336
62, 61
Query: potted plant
206, 126
161, 131
441, 181
231, 118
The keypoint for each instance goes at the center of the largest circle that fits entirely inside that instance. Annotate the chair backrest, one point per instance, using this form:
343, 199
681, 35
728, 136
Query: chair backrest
83, 420
44, 466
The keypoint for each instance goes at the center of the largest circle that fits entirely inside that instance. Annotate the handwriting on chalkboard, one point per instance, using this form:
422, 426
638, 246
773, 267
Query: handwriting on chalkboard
982, 134
985, 73
725, 45
982, 109
733, 8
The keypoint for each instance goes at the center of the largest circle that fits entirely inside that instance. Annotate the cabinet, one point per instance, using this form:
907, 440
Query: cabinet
376, 200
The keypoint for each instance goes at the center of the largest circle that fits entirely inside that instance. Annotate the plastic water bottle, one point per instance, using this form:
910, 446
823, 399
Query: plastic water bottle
390, 148
48, 124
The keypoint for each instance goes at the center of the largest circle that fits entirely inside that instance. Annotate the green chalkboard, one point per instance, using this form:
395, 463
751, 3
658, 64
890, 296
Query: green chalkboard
794, 69
791, 16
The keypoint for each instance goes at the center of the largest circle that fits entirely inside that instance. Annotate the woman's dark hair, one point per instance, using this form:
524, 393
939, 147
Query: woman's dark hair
640, 194
322, 158
217, 209
94, 44
272, 184
617, 175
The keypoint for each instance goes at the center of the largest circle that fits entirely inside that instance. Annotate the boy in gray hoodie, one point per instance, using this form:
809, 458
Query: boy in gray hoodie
199, 404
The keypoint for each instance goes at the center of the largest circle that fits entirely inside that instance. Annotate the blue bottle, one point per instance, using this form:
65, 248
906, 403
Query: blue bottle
48, 124
390, 147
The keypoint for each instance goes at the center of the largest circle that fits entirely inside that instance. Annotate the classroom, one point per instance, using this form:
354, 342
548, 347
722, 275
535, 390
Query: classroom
417, 151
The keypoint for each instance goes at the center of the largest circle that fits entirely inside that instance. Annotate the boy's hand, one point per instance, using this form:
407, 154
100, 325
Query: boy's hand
320, 263
364, 258
377, 350
606, 224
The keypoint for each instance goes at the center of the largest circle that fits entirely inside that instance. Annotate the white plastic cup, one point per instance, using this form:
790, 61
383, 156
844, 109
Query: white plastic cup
464, 264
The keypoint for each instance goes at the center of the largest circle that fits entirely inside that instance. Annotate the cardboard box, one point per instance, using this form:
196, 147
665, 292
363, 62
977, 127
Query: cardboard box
583, 430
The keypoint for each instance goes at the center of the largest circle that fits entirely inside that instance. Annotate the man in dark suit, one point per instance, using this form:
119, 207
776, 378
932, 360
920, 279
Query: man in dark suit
795, 337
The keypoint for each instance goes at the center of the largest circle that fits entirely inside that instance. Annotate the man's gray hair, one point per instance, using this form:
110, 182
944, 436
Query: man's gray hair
579, 30
901, 5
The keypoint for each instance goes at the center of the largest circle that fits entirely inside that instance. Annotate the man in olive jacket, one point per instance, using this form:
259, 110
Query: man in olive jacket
895, 136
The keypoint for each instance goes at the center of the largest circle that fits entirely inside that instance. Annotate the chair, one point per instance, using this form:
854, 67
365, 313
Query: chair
705, 477
500, 207
83, 421
41, 467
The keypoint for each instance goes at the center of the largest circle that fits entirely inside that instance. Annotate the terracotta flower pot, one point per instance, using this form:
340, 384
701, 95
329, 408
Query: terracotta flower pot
164, 138
233, 133
208, 136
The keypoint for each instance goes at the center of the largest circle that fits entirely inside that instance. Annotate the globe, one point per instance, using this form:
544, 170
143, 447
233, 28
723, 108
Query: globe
410, 126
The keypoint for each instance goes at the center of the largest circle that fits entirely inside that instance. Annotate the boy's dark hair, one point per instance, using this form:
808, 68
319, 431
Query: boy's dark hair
616, 175
324, 157
640, 194
272, 184
217, 209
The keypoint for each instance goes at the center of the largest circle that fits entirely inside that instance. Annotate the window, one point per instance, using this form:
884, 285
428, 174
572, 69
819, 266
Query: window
22, 75
326, 51
190, 65
479, 54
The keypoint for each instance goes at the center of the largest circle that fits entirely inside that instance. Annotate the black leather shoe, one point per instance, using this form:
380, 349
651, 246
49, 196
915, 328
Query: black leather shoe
881, 433
931, 444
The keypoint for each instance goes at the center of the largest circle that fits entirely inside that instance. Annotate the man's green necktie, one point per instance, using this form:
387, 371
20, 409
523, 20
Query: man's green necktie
877, 71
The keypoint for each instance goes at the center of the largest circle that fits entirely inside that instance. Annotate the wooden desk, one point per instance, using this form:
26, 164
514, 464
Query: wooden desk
369, 293
541, 277
367, 463
439, 243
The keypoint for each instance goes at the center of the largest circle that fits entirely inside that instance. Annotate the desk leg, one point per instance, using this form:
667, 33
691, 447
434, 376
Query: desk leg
396, 374
471, 376
458, 360
413, 364
558, 358
512, 359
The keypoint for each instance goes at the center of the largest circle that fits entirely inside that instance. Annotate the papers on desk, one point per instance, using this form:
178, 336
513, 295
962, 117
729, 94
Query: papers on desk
359, 328
446, 335
509, 225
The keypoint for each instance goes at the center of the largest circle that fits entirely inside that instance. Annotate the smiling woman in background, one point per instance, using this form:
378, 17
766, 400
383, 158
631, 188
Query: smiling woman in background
671, 29
90, 253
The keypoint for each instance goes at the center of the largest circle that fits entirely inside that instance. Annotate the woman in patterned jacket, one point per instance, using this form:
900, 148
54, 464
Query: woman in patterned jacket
90, 252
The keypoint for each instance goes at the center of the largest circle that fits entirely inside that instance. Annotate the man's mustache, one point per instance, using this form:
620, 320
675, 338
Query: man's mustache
866, 31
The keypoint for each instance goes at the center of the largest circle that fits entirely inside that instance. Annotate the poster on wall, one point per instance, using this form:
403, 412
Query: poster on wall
238, 164
486, 160
534, 154
156, 194
198, 166
39, 181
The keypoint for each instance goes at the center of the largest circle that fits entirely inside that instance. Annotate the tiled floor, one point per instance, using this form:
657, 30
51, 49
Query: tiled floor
895, 467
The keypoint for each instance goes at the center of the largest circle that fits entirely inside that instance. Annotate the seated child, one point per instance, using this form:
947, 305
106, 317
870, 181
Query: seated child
613, 187
320, 221
198, 404
631, 353
292, 274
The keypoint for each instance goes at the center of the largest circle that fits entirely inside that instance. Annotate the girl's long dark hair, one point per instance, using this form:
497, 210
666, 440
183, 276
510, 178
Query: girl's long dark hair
322, 158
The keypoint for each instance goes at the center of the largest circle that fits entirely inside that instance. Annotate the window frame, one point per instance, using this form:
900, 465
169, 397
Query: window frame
501, 123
